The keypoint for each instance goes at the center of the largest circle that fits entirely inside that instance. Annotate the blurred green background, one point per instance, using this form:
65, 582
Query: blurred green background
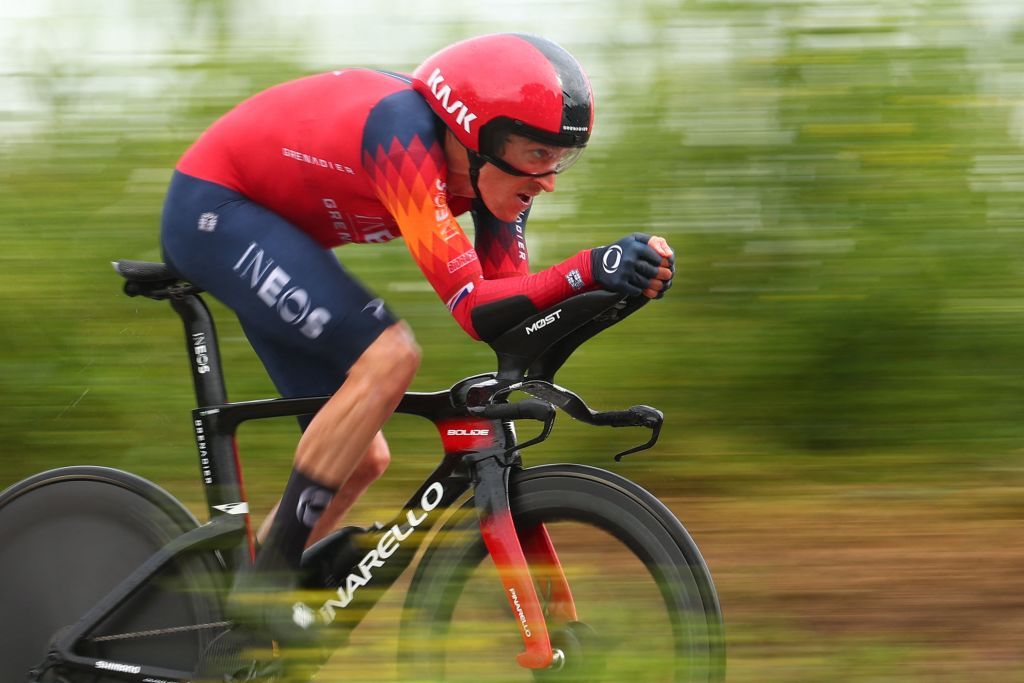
839, 361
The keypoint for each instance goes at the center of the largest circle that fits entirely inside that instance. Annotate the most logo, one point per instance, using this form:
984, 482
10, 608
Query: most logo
543, 322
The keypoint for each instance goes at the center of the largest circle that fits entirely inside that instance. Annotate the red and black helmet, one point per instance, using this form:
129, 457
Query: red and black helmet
487, 87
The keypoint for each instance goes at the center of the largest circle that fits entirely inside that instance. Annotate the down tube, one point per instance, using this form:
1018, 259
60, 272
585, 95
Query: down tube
385, 554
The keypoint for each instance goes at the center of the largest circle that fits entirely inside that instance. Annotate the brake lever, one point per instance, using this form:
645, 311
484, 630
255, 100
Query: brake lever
571, 403
549, 423
639, 416
527, 409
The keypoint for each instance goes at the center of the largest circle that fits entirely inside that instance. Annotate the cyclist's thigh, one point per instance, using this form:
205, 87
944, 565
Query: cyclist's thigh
306, 316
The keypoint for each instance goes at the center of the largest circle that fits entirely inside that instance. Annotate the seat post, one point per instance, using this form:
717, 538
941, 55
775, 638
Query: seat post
203, 350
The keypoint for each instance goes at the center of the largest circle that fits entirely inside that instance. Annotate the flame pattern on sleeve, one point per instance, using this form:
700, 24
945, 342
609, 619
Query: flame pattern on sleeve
409, 181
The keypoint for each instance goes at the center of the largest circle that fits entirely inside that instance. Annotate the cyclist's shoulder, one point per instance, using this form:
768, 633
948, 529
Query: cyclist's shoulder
354, 82
339, 98
401, 117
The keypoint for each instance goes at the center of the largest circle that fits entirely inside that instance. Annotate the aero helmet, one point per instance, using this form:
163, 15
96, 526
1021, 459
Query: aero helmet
488, 87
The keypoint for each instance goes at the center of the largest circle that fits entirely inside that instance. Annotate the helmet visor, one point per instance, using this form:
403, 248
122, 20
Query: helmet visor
522, 156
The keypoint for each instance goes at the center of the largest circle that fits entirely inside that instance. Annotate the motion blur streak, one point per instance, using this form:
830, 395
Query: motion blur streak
839, 360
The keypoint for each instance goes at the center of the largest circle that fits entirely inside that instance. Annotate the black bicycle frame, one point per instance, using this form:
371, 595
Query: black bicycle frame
480, 450
478, 453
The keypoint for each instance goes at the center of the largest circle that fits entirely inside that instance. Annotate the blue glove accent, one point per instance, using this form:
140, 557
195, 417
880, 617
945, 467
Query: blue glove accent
627, 266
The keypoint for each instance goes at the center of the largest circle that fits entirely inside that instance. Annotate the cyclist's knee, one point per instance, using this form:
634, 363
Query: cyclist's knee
377, 459
394, 355
407, 351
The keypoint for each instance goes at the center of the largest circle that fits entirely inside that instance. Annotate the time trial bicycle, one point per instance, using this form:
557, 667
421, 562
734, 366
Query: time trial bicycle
559, 572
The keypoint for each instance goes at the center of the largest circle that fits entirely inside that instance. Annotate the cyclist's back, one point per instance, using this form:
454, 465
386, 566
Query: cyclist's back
311, 150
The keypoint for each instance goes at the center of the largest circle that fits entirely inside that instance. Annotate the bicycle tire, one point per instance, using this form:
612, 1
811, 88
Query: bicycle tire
590, 499
69, 536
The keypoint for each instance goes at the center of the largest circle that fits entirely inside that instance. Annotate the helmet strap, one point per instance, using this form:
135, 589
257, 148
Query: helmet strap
476, 162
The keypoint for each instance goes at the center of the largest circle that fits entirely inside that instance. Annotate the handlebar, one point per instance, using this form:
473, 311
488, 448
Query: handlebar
636, 416
527, 409
529, 354
486, 398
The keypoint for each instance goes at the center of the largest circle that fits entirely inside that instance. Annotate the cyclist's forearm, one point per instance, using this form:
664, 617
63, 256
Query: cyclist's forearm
492, 306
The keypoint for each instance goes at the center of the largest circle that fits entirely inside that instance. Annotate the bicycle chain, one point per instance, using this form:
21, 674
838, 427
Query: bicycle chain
161, 631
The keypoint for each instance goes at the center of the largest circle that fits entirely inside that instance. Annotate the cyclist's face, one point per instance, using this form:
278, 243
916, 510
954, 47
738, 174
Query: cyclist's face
505, 195
508, 195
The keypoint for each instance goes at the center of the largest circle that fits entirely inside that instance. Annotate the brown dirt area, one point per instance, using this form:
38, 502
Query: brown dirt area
840, 584
939, 571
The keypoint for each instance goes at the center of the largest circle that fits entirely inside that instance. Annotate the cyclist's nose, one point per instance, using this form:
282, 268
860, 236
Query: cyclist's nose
547, 182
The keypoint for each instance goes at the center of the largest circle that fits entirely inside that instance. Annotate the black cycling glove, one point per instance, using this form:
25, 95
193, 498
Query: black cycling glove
627, 266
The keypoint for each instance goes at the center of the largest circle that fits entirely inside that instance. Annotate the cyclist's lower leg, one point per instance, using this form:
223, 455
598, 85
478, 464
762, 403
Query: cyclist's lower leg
370, 468
340, 434
329, 454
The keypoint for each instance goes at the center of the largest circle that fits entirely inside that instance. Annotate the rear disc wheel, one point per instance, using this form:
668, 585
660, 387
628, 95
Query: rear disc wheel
67, 538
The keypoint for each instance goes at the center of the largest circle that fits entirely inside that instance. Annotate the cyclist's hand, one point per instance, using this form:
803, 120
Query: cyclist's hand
658, 286
633, 266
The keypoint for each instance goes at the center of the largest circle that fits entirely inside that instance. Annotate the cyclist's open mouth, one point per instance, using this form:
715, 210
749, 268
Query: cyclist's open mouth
525, 199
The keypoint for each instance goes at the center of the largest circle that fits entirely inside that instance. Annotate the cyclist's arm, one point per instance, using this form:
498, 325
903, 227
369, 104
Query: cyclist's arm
404, 162
484, 308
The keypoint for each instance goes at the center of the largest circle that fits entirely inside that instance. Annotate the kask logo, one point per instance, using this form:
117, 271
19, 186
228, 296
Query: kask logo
443, 93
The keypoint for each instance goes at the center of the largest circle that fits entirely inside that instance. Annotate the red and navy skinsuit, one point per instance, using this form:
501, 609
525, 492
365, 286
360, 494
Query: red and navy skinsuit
354, 155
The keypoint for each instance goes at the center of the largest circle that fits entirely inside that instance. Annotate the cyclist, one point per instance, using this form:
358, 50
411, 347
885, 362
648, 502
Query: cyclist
361, 156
